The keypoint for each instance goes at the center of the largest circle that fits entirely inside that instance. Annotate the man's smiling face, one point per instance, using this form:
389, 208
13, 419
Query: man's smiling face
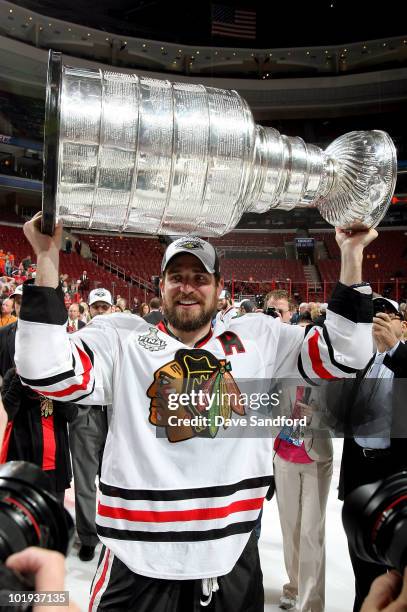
189, 293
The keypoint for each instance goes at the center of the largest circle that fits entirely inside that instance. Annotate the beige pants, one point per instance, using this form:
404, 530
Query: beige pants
302, 493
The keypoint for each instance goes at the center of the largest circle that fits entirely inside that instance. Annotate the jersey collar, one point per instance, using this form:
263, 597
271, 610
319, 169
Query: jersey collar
163, 326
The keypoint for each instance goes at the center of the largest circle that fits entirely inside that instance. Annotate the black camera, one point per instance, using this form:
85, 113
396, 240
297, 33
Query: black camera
271, 312
259, 300
375, 520
30, 515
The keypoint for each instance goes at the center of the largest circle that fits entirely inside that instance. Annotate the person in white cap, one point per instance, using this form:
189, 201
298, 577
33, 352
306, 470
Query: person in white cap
100, 302
17, 296
87, 437
180, 498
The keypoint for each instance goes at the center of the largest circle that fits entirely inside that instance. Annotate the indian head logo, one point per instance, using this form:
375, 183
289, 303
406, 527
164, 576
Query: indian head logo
192, 395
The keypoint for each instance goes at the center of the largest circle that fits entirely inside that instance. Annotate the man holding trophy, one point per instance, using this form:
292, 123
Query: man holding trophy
179, 494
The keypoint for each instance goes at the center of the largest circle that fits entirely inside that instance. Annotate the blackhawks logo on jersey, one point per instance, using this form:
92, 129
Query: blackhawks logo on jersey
191, 393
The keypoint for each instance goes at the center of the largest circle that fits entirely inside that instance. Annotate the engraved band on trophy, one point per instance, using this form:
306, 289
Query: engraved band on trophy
133, 154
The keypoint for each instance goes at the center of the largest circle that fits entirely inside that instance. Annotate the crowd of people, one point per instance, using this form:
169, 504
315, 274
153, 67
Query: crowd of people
100, 371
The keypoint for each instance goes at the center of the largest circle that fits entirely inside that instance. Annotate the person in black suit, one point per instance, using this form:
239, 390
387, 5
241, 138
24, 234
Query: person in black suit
74, 322
376, 446
37, 428
8, 335
84, 281
7, 344
155, 315
37, 431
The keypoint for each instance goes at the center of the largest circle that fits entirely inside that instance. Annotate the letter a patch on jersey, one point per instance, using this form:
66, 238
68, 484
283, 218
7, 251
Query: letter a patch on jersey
231, 343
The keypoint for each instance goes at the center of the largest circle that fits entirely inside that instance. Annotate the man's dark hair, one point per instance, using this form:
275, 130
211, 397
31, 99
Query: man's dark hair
305, 316
155, 303
248, 306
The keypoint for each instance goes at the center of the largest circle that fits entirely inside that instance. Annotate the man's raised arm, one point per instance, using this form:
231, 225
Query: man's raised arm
76, 367
344, 343
46, 249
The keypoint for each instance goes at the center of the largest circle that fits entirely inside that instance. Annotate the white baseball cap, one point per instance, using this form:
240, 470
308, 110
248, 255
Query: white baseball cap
203, 250
379, 302
100, 295
17, 291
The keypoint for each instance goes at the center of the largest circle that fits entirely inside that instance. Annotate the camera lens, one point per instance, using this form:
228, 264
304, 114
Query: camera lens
30, 515
272, 312
375, 520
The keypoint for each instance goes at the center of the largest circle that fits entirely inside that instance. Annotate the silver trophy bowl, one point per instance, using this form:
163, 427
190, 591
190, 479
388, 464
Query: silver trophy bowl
132, 154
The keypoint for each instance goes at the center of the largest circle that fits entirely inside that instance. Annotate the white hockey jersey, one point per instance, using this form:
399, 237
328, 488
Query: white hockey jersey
180, 501
225, 316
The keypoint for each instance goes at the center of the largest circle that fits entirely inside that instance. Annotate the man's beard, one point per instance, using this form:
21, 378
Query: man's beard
183, 320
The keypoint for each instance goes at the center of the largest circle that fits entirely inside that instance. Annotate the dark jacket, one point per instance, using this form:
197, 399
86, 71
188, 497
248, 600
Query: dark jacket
153, 317
37, 428
80, 325
354, 412
7, 347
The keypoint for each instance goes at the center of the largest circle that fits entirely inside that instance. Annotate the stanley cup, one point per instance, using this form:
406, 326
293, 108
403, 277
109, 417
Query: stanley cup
133, 154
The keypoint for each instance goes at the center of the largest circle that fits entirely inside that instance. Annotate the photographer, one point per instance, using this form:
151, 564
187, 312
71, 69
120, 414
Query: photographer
37, 428
374, 518
377, 448
37, 431
48, 569
278, 303
388, 593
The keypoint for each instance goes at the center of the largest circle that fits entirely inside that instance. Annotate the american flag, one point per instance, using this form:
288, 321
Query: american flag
233, 22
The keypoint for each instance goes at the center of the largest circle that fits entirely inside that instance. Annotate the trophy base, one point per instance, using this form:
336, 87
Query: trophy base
365, 168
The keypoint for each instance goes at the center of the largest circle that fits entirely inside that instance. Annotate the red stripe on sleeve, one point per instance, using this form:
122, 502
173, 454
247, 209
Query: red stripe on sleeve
100, 582
197, 514
315, 357
87, 367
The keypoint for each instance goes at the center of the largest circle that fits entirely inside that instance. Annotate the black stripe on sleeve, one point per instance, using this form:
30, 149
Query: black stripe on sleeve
43, 305
340, 366
303, 374
308, 329
176, 536
52, 380
351, 304
81, 397
179, 494
47, 382
89, 352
